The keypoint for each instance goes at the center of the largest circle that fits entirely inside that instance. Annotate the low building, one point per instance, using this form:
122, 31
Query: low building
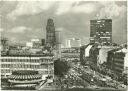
103, 54
35, 43
70, 54
82, 52
93, 53
24, 79
89, 51
73, 42
118, 61
44, 64
96, 53
110, 57
29, 44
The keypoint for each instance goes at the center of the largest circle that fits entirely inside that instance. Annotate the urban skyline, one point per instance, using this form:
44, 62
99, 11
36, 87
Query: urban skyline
68, 46
18, 22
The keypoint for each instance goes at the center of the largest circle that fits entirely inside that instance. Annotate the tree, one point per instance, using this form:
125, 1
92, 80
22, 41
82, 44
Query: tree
60, 68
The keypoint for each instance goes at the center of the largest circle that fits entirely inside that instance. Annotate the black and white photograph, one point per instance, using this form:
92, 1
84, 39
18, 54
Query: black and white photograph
63, 45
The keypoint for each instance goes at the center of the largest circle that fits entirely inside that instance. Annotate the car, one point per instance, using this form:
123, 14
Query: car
96, 87
73, 87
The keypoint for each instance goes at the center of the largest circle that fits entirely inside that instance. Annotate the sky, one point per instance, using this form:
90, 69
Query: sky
24, 20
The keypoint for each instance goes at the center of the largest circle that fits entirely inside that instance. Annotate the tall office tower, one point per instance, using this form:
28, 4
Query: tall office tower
58, 43
101, 31
50, 34
58, 39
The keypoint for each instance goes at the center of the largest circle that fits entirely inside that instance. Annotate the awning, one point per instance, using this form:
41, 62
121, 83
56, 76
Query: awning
25, 76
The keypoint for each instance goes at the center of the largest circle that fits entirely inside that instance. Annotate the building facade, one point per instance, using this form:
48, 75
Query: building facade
4, 44
70, 54
103, 54
90, 51
68, 43
43, 42
34, 43
73, 42
110, 58
24, 79
82, 52
50, 33
58, 43
43, 64
101, 31
117, 61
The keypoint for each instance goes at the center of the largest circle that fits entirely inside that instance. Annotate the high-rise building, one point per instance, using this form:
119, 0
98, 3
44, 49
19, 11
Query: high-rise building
101, 31
58, 43
50, 33
58, 39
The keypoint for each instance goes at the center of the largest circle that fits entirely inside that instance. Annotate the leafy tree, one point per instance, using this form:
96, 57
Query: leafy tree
60, 68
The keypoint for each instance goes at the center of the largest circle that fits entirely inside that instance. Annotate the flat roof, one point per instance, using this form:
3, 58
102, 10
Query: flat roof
27, 55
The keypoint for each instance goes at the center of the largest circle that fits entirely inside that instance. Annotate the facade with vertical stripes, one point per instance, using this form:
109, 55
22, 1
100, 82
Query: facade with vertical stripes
43, 64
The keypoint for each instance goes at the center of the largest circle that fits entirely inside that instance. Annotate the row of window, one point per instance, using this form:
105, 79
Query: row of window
119, 55
27, 60
70, 51
119, 64
47, 72
73, 56
118, 69
118, 60
4, 71
103, 33
26, 66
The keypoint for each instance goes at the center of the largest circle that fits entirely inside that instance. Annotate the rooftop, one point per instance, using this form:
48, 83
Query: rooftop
27, 55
